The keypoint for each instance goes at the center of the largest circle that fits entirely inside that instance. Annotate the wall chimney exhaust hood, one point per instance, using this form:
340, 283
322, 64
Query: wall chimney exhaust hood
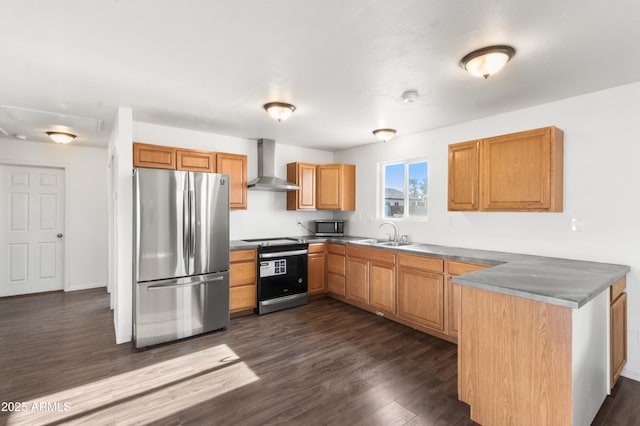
267, 180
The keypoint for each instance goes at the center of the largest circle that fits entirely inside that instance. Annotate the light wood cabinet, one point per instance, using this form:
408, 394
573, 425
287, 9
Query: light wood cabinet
316, 268
234, 165
303, 175
618, 332
371, 278
154, 156
516, 172
421, 291
195, 161
358, 280
336, 187
464, 176
336, 269
242, 280
165, 157
454, 293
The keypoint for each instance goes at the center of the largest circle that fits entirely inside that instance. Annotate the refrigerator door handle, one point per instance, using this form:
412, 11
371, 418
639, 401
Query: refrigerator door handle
185, 222
172, 286
192, 215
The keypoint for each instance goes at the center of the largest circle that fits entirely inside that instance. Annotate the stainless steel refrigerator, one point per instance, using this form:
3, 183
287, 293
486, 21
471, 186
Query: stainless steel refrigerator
181, 254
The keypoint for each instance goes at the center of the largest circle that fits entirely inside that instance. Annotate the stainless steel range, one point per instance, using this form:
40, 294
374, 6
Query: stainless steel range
282, 273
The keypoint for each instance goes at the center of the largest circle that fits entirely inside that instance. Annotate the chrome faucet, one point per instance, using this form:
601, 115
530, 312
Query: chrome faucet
395, 230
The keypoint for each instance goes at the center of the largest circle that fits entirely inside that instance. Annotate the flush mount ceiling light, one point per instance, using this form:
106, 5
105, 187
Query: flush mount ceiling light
279, 110
487, 61
384, 134
61, 137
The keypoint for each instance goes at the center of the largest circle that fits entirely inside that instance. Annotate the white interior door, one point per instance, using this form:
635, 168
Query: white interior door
31, 229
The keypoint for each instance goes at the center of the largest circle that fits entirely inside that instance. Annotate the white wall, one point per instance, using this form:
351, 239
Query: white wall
86, 204
120, 224
601, 175
266, 215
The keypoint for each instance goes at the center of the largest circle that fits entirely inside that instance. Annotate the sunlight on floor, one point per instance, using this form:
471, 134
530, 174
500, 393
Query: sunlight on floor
144, 395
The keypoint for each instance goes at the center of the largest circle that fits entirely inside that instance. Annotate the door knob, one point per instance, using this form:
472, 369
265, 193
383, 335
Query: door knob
59, 235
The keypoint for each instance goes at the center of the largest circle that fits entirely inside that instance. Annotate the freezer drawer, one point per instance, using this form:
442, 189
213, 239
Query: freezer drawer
166, 310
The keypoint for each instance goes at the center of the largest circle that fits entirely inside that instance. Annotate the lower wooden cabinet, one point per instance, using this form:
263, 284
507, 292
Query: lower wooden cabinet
336, 269
421, 297
454, 293
242, 280
316, 270
358, 280
618, 318
382, 287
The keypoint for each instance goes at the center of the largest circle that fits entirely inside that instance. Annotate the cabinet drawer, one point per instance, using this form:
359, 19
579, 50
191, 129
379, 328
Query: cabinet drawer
242, 273
336, 248
336, 264
317, 248
243, 297
617, 288
461, 268
421, 262
372, 254
242, 255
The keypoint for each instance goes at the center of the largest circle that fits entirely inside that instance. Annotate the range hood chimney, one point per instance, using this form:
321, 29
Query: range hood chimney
267, 180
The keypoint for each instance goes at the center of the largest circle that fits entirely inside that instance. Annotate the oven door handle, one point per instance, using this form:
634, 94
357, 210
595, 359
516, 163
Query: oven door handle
282, 254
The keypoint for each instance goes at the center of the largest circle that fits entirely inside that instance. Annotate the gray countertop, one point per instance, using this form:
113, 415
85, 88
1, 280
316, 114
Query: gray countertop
564, 282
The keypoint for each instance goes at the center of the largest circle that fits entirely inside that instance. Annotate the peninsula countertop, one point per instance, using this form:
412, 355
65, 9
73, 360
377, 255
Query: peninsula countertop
564, 282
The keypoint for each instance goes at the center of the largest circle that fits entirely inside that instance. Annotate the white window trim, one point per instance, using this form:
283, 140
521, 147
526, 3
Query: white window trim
380, 190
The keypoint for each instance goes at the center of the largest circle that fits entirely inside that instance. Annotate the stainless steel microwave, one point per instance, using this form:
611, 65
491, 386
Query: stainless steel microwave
329, 228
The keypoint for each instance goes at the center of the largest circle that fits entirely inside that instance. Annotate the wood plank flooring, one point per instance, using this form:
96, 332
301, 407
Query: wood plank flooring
323, 363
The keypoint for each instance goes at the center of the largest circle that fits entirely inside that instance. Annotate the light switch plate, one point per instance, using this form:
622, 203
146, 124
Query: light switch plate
577, 224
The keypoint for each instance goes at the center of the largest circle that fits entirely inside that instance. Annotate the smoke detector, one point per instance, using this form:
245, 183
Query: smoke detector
410, 96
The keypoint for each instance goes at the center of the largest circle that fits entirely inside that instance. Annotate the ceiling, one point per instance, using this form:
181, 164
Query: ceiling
211, 65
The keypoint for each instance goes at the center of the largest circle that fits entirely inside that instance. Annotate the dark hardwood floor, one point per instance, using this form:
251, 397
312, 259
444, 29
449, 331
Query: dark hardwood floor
323, 363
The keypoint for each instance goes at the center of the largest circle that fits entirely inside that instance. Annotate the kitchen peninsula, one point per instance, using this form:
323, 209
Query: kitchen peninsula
534, 332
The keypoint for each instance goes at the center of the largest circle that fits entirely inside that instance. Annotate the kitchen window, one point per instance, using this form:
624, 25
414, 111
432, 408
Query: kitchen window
403, 189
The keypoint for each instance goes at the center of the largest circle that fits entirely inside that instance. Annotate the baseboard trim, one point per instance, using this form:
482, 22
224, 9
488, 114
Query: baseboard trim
85, 286
631, 374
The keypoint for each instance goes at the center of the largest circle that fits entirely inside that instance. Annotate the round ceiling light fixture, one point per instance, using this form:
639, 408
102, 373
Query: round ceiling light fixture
61, 137
279, 110
487, 61
384, 134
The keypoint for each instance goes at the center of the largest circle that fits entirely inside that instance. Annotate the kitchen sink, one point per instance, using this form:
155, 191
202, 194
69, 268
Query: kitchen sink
374, 242
393, 244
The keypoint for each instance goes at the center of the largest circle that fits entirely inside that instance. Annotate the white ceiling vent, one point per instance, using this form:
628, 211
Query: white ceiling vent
45, 119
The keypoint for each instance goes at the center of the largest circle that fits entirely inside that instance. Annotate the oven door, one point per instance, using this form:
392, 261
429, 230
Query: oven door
282, 274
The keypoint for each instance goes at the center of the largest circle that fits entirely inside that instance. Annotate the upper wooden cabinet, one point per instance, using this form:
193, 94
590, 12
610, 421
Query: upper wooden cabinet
516, 172
303, 175
166, 157
154, 156
235, 166
336, 187
195, 161
464, 190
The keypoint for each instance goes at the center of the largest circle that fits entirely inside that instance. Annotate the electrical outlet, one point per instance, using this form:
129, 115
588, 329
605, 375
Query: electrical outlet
577, 224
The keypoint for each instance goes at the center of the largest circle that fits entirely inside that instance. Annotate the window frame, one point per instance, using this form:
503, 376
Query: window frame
380, 197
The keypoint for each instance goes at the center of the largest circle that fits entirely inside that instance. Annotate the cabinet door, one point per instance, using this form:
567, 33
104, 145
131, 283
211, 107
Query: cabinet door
382, 287
454, 297
522, 171
336, 187
336, 264
196, 161
421, 297
316, 273
303, 175
618, 336
464, 176
358, 280
154, 156
242, 298
336, 284
235, 166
